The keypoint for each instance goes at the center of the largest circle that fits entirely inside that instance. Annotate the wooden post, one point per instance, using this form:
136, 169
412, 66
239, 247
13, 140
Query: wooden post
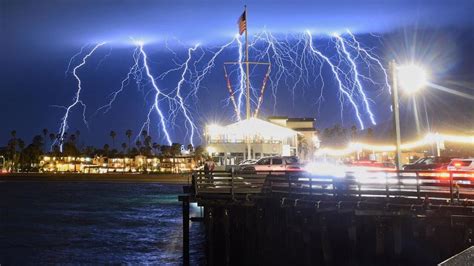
379, 238
232, 183
185, 203
325, 241
417, 185
289, 183
227, 237
451, 187
397, 237
210, 236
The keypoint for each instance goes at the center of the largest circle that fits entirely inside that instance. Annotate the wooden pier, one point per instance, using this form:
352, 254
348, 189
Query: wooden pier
370, 218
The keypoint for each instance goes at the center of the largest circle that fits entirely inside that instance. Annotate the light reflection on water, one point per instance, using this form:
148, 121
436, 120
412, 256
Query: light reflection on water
80, 222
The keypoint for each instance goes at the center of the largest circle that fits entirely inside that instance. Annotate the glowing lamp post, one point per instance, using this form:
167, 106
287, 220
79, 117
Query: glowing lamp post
411, 78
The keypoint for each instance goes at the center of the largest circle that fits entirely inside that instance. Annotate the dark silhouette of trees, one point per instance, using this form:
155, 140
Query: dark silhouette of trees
138, 143
353, 133
190, 148
124, 148
370, 133
198, 153
156, 147
165, 150
113, 135
129, 133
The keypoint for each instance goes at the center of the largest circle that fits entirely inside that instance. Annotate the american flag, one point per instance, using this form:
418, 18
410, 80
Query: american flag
242, 22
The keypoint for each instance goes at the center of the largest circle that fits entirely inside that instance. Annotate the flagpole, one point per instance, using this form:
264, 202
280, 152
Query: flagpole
247, 64
249, 148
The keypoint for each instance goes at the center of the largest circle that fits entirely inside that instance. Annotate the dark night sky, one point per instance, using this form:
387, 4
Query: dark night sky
39, 37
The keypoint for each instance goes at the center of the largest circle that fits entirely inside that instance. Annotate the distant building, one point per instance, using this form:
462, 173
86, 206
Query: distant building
101, 164
308, 140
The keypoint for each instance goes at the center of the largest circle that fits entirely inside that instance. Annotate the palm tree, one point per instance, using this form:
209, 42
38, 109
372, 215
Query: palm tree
72, 138
190, 148
139, 145
78, 133
128, 133
106, 149
370, 133
45, 132
124, 147
21, 145
113, 135
144, 134
303, 146
156, 147
353, 133
52, 137
13, 134
147, 144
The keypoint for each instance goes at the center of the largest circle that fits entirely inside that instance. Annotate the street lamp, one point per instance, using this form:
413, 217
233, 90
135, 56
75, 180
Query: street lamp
412, 78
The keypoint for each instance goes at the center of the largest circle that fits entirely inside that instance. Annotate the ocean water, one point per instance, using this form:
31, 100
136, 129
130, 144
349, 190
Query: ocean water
94, 223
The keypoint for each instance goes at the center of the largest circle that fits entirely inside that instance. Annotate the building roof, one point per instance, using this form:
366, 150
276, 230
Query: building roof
304, 129
296, 119
251, 127
292, 119
277, 117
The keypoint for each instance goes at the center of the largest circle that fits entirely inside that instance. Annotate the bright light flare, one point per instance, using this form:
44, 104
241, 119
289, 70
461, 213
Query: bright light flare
412, 77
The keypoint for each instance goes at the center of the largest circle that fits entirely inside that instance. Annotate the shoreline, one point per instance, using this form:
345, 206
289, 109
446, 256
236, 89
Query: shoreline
178, 179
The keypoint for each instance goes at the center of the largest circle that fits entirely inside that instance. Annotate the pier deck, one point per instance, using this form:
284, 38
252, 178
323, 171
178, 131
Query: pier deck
374, 217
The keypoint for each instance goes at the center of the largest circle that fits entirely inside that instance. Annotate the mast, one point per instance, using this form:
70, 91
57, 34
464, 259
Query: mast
247, 65
247, 81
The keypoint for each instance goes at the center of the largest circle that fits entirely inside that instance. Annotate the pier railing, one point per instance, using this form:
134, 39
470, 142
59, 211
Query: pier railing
434, 185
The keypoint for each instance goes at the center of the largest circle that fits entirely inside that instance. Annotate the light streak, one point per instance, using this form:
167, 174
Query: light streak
430, 138
77, 100
451, 91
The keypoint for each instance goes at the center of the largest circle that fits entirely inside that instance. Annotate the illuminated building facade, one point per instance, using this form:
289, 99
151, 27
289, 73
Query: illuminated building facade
229, 145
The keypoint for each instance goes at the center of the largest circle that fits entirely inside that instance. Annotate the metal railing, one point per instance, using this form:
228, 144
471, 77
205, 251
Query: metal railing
434, 185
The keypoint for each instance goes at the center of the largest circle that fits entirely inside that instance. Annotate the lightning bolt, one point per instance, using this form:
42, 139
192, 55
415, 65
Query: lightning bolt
157, 95
296, 63
209, 66
242, 77
371, 57
76, 100
134, 72
356, 77
185, 111
335, 70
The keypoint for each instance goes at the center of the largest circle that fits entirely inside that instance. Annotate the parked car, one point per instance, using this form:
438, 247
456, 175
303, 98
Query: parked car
461, 164
274, 163
429, 163
248, 162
